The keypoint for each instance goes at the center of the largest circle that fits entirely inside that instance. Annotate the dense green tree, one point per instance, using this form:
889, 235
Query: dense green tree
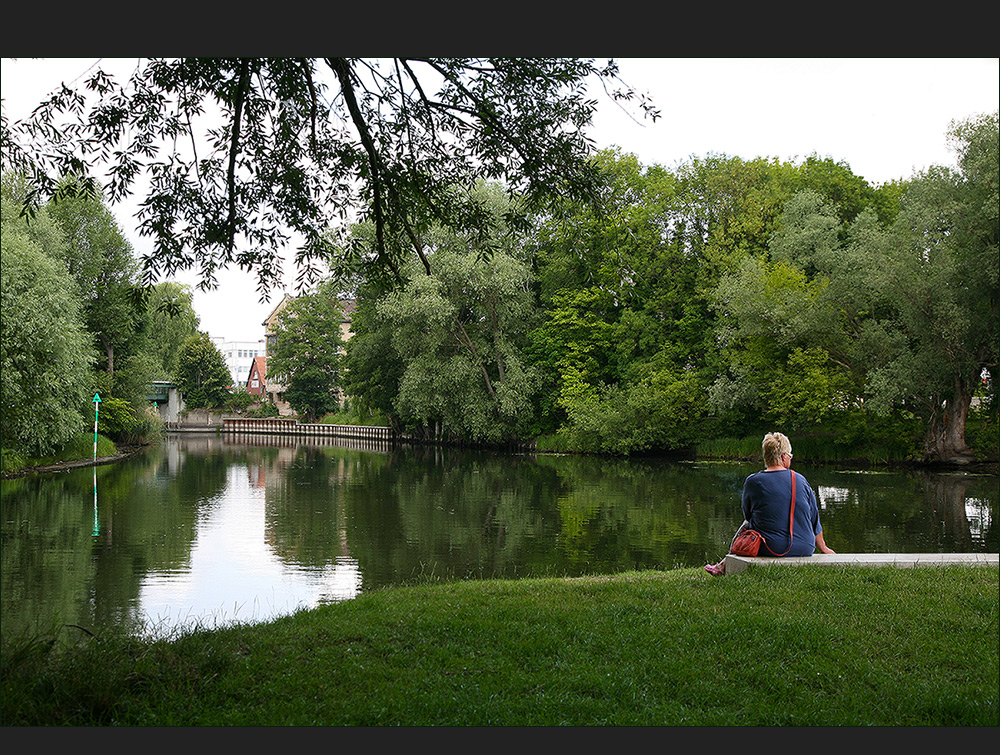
171, 320
629, 344
847, 192
100, 261
727, 208
371, 367
585, 278
624, 330
897, 317
457, 334
296, 144
941, 278
45, 356
784, 331
307, 352
202, 375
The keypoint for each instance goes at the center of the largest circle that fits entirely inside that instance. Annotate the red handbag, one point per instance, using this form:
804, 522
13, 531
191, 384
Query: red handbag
747, 542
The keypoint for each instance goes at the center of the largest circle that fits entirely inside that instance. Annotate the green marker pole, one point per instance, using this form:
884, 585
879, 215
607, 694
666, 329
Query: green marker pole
97, 403
97, 524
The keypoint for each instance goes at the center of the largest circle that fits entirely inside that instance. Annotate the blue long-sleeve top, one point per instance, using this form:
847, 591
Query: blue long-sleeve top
767, 498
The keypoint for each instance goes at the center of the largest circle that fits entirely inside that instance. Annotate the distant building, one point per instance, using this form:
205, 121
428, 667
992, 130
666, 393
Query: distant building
275, 391
239, 356
167, 398
255, 383
347, 307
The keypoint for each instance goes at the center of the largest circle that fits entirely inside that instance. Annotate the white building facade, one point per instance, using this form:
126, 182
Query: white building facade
239, 356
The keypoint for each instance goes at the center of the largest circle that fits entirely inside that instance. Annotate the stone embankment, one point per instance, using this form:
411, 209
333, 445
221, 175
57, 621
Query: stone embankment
737, 564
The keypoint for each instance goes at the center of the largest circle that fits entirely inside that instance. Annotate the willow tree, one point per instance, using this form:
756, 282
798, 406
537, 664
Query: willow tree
101, 262
45, 353
942, 277
459, 333
246, 156
881, 317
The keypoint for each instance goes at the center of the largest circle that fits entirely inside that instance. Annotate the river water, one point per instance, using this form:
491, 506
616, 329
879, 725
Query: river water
204, 530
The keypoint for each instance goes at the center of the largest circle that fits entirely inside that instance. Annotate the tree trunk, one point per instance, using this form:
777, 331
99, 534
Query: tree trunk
945, 438
109, 352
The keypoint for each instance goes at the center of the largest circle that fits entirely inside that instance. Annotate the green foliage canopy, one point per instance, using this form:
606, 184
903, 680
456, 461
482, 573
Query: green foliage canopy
888, 317
290, 146
458, 332
624, 323
45, 354
307, 352
202, 375
171, 317
101, 263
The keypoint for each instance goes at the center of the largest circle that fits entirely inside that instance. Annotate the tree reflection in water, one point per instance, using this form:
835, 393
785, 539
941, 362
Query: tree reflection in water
206, 529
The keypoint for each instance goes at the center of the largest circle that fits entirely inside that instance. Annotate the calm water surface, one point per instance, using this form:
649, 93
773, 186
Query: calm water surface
205, 530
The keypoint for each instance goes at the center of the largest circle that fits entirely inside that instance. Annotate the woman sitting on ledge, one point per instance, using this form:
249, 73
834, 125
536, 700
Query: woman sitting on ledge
767, 500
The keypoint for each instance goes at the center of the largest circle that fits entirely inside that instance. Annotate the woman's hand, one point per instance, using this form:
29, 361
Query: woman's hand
821, 545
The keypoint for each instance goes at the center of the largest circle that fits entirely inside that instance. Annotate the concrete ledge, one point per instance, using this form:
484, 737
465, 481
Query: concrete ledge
736, 564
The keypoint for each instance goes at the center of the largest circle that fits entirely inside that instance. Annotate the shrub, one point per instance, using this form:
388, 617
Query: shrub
123, 423
240, 400
263, 410
11, 461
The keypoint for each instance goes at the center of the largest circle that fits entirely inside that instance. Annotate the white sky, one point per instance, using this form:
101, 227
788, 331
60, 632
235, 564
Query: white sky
884, 117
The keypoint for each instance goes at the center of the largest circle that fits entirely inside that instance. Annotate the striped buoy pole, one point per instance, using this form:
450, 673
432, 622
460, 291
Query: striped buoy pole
97, 403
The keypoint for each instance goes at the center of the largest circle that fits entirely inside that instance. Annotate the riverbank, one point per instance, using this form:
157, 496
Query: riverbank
818, 448
53, 465
806, 646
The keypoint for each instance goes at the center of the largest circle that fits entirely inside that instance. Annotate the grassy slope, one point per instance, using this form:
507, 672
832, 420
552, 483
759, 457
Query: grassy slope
803, 646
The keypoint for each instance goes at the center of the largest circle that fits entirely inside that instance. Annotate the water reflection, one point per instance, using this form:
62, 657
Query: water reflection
207, 529
244, 568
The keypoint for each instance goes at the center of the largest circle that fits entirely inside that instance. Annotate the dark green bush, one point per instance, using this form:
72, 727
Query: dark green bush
123, 423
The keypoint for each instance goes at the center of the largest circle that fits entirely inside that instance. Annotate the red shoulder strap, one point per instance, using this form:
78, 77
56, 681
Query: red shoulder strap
791, 516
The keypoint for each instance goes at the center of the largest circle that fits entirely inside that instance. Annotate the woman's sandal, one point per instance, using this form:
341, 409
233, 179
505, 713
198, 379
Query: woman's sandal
716, 571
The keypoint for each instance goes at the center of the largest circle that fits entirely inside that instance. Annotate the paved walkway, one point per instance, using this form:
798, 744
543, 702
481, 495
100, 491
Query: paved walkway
736, 564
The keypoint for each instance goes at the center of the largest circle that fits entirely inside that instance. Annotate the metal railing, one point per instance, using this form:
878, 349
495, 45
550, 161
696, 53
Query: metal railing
276, 426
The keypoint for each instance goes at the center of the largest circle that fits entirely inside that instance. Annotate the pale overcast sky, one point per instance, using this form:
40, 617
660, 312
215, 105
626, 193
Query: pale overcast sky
885, 117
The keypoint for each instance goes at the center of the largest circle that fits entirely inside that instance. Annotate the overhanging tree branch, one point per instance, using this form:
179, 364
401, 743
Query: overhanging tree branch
281, 165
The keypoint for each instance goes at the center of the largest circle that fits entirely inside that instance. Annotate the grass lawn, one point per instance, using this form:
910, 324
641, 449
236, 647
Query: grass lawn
800, 646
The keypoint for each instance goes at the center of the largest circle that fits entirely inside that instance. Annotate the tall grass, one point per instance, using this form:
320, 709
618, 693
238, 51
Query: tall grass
878, 444
351, 417
820, 447
79, 448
